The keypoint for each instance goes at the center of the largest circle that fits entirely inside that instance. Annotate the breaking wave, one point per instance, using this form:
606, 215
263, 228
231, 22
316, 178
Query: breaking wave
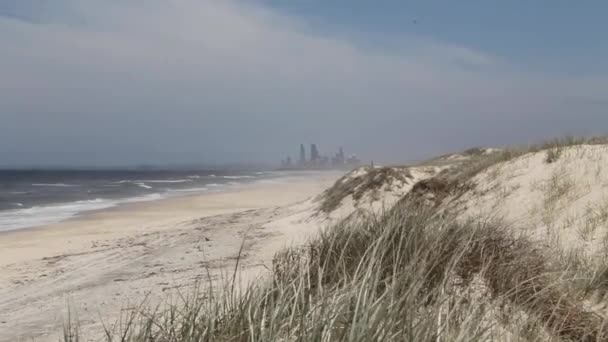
43, 215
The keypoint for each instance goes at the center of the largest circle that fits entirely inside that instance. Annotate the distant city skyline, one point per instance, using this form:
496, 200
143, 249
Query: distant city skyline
317, 160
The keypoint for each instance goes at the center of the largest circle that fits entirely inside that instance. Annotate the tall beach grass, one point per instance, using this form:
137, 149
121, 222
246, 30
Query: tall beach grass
406, 275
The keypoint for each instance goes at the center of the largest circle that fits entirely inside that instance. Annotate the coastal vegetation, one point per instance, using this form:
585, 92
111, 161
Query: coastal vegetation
424, 269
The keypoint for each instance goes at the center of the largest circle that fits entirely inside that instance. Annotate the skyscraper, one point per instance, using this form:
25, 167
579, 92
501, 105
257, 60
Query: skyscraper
338, 159
314, 153
302, 155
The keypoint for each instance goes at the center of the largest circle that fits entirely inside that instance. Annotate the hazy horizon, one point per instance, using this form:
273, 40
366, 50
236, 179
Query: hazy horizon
125, 83
143, 167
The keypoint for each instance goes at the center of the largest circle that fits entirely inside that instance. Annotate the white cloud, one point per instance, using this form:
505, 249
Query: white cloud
183, 80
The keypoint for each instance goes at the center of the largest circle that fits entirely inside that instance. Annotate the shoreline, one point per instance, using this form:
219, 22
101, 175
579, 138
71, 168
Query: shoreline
129, 203
101, 260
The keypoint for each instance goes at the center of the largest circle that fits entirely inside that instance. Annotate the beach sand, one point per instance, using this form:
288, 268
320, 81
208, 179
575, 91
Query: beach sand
103, 262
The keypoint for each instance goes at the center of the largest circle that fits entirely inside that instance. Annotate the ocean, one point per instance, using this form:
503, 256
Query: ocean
37, 197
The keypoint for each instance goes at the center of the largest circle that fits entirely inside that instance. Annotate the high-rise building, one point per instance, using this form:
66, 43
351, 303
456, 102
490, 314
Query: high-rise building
302, 155
314, 153
317, 161
339, 159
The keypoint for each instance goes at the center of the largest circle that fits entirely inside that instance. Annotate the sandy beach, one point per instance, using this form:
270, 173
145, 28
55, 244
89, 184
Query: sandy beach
105, 261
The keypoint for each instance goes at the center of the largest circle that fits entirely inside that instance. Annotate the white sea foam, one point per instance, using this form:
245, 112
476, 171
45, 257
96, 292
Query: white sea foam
21, 217
36, 216
30, 217
203, 189
166, 181
145, 198
154, 181
143, 185
58, 185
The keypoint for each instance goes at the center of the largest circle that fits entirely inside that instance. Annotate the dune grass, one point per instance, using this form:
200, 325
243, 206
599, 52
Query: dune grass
456, 179
405, 275
410, 274
357, 186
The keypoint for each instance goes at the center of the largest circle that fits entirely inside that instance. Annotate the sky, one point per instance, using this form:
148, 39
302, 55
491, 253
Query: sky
128, 82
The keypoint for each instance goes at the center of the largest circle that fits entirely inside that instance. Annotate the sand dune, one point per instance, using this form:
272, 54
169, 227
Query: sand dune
555, 197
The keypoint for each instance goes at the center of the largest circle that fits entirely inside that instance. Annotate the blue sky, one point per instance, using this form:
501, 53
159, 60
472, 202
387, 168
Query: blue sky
114, 82
556, 35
